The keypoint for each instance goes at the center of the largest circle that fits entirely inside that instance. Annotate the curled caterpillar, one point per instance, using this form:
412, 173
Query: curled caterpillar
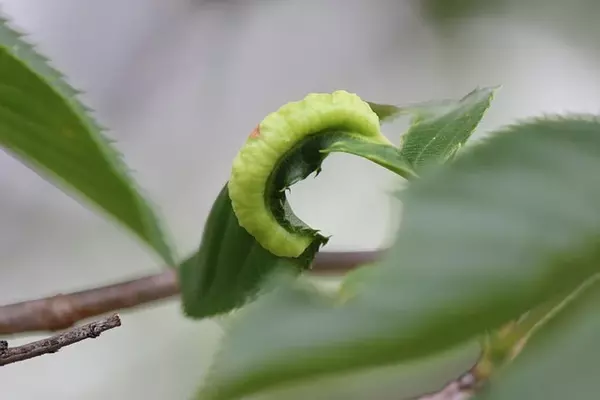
256, 171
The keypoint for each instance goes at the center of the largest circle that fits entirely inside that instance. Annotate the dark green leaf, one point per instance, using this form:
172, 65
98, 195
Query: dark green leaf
439, 129
501, 230
560, 361
384, 155
230, 264
46, 127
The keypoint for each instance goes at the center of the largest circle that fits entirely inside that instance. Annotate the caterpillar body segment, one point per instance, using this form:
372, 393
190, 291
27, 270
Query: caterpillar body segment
259, 206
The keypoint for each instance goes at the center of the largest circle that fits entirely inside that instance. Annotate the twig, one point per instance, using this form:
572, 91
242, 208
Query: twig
462, 388
53, 344
62, 311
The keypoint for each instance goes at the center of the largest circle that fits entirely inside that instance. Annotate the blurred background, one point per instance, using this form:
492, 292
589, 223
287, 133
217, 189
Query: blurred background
181, 83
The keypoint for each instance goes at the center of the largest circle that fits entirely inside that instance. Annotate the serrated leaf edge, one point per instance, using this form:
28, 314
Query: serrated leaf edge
39, 64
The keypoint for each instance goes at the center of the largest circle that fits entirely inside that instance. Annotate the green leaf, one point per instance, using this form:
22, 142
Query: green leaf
560, 361
510, 223
384, 155
230, 265
439, 129
445, 13
46, 127
393, 382
386, 112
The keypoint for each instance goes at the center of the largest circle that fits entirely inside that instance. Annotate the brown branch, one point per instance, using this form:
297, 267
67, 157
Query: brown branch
62, 311
9, 355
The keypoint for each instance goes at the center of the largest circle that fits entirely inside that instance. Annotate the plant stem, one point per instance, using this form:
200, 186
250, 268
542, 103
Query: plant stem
9, 355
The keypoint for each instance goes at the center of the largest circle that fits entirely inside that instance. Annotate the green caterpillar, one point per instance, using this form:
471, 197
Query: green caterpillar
281, 133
